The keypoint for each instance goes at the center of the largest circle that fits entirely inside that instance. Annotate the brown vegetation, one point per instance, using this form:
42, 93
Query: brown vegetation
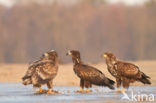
66, 76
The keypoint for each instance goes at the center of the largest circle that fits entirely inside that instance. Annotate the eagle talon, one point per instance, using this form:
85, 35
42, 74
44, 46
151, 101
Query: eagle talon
49, 92
118, 91
41, 91
79, 91
123, 90
52, 92
83, 91
88, 91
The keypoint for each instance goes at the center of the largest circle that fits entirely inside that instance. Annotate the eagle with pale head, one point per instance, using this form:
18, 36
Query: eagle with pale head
43, 71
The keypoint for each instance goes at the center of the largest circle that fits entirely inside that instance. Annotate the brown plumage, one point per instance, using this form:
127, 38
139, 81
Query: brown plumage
124, 72
42, 71
88, 75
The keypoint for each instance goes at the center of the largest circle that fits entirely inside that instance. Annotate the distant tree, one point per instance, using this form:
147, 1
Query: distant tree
150, 2
27, 31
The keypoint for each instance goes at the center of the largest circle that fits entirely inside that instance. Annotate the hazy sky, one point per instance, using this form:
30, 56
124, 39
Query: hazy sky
129, 2
6, 2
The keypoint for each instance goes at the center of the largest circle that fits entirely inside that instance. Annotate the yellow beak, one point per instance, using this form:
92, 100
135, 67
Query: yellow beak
46, 54
105, 55
69, 53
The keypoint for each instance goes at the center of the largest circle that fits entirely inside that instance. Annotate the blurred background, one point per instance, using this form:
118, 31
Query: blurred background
28, 28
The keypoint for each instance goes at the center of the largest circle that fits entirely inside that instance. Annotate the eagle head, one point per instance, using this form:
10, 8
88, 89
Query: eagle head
50, 55
109, 56
74, 53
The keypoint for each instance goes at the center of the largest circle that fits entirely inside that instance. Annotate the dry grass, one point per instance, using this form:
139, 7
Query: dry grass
66, 76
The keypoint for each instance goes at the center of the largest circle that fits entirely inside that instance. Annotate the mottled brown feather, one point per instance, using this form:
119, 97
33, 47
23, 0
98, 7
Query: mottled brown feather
42, 71
124, 72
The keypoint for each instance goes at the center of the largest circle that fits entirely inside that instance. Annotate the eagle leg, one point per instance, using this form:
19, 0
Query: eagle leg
50, 88
49, 91
41, 90
87, 85
118, 80
50, 85
123, 90
118, 91
88, 91
81, 87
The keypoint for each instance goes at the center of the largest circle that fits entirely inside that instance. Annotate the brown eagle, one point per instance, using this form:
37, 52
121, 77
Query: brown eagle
88, 75
42, 71
124, 72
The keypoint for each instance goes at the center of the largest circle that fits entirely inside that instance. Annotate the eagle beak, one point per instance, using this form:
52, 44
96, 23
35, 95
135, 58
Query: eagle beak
105, 56
69, 53
46, 54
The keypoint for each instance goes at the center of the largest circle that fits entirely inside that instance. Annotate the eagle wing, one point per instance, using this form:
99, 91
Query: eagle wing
132, 71
92, 75
31, 70
46, 70
127, 69
33, 67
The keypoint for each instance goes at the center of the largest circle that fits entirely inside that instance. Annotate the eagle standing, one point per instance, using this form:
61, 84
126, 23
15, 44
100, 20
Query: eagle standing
125, 73
42, 71
88, 75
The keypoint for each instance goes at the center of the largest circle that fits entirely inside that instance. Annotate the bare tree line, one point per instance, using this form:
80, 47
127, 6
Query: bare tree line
27, 31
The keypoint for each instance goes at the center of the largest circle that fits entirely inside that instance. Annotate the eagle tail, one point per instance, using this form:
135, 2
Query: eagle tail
111, 83
25, 77
26, 80
145, 79
145, 75
106, 82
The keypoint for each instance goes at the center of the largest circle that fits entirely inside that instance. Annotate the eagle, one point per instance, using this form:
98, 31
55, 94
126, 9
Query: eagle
124, 72
42, 72
88, 75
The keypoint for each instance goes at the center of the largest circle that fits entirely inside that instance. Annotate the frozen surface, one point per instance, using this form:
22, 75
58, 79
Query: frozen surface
17, 93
